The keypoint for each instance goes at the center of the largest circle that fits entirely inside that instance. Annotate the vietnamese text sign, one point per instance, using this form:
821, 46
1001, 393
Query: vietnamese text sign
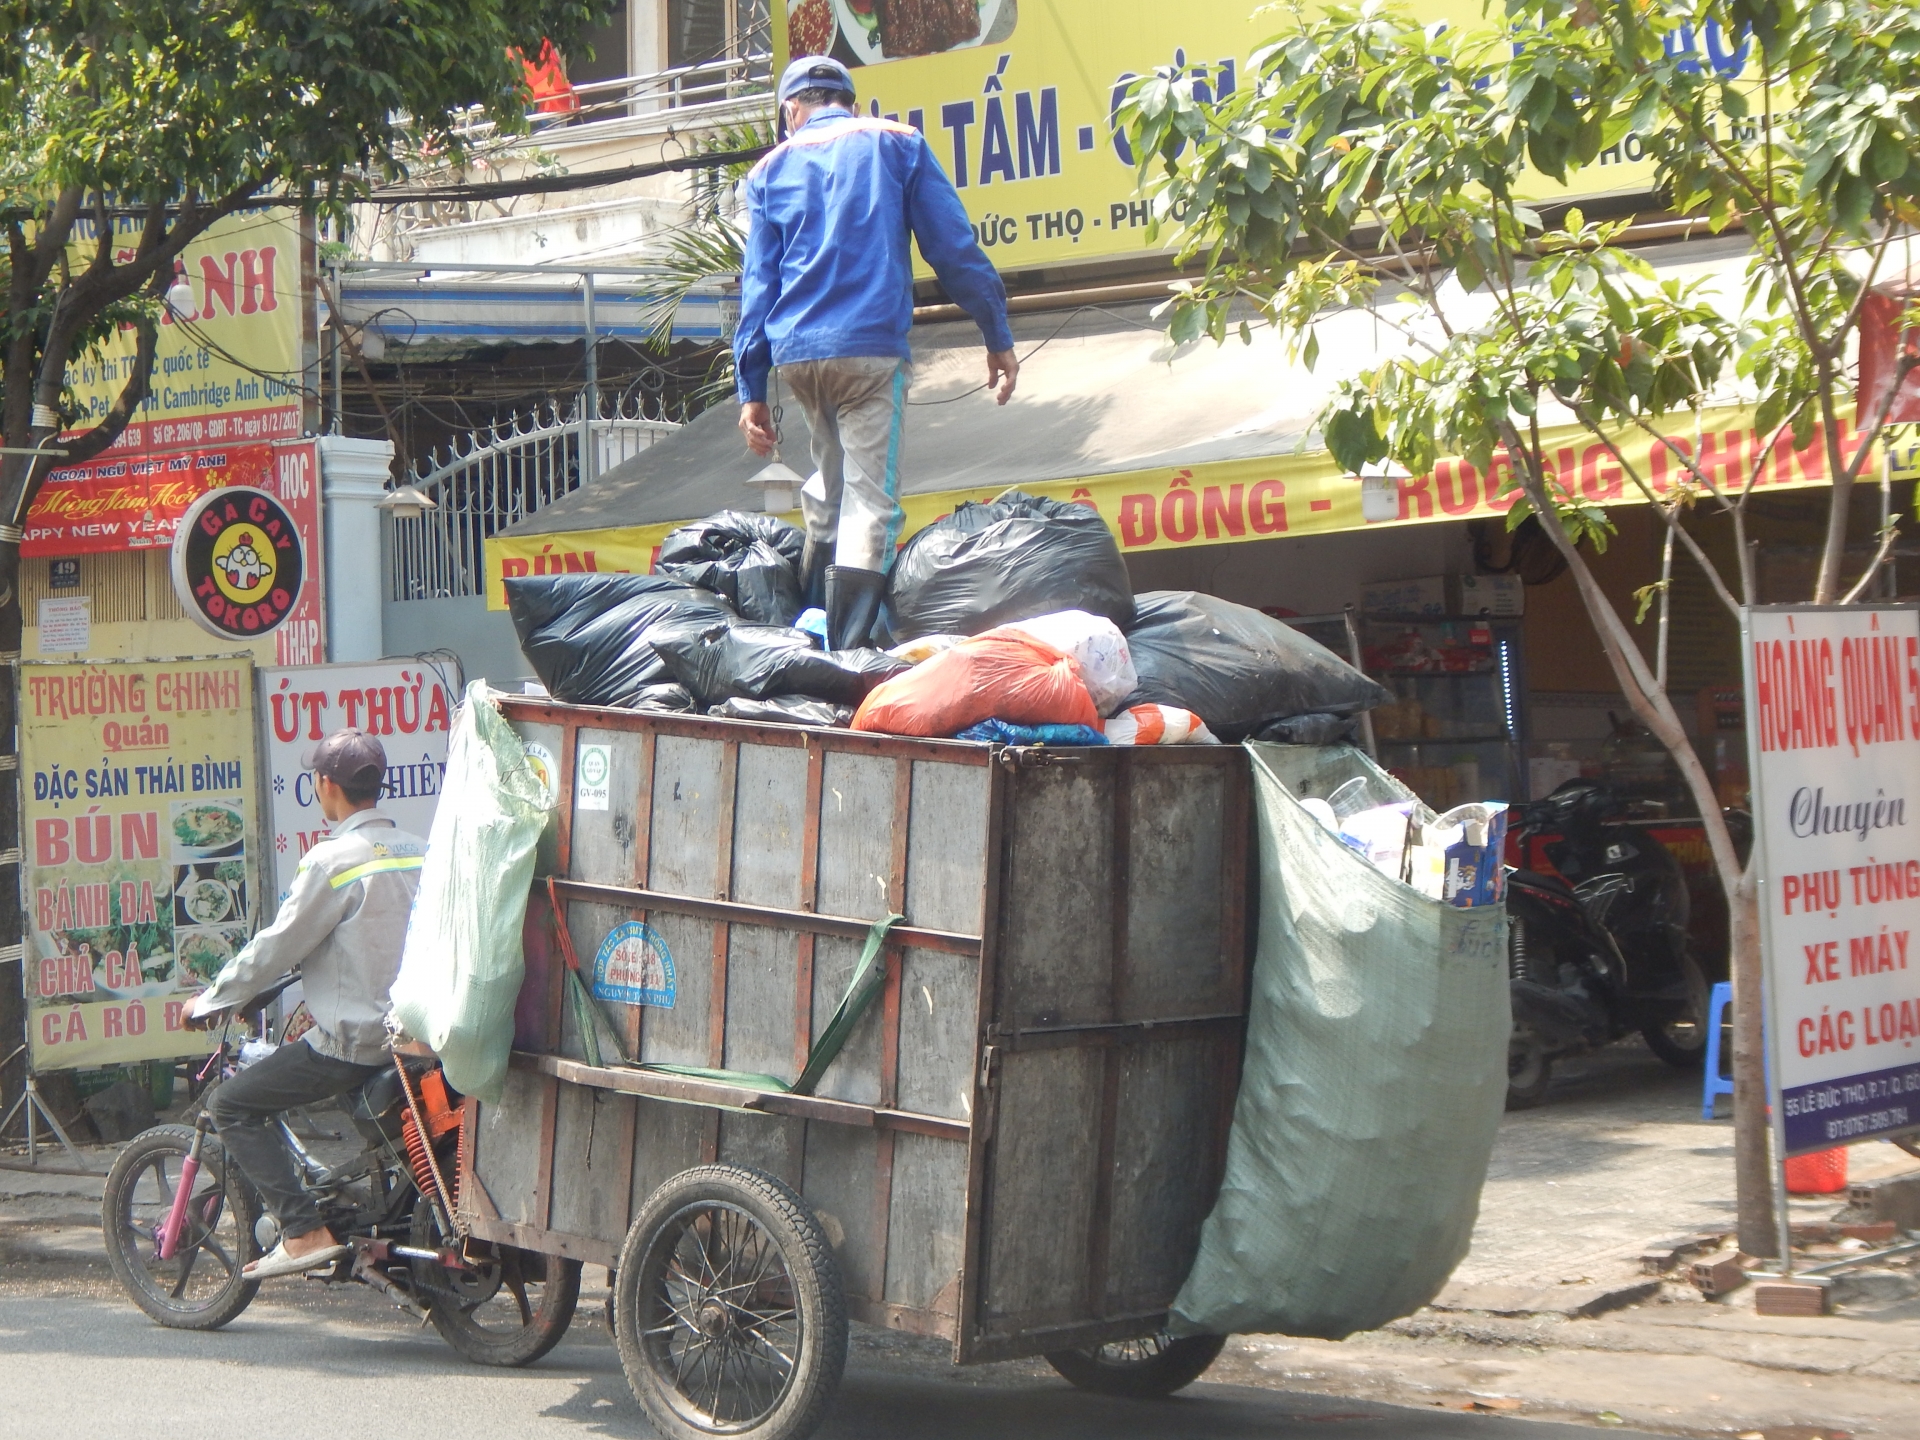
1019, 107
407, 705
133, 502
1275, 497
138, 809
1834, 693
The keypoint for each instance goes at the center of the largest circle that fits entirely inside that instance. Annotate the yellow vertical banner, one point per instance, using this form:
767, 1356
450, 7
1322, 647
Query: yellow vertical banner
139, 818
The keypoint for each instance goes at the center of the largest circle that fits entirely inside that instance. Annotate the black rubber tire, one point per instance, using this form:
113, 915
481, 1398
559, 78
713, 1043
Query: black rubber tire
1147, 1369
474, 1331
728, 1197
124, 1210
1529, 1070
1687, 1049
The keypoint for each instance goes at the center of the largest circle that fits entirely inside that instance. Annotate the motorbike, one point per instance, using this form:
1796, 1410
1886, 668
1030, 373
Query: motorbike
1600, 949
181, 1221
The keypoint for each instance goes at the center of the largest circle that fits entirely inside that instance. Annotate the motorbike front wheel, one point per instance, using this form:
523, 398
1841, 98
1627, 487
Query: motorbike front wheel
1681, 1040
200, 1286
1529, 1069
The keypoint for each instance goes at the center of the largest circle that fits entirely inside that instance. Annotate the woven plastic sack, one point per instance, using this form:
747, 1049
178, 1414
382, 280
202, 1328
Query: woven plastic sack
1095, 645
1374, 1080
992, 677
462, 965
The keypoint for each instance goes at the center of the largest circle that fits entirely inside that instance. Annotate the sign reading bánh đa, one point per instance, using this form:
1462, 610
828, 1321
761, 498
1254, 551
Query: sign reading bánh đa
1834, 739
138, 804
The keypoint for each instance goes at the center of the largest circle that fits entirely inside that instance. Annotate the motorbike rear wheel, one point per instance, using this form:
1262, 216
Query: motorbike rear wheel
508, 1311
1529, 1069
200, 1287
1148, 1368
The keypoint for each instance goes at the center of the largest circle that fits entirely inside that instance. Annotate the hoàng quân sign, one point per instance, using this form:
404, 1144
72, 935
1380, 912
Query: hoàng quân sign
1834, 696
1270, 498
138, 801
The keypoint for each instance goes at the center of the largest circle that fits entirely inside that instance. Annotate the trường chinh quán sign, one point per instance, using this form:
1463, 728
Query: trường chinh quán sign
1833, 693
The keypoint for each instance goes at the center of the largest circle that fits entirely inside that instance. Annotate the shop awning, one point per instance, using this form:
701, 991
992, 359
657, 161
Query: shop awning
1200, 446
451, 313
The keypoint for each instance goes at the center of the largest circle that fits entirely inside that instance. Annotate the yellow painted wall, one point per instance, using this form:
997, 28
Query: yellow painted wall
134, 612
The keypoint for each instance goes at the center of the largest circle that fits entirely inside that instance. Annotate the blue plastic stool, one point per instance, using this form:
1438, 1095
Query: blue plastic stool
1715, 1084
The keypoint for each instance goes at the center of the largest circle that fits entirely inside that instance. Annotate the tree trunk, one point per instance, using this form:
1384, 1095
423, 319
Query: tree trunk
1752, 1151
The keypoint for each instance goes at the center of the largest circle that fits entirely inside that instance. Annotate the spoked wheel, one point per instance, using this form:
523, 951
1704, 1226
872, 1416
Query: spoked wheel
730, 1315
509, 1310
1529, 1068
1142, 1369
200, 1287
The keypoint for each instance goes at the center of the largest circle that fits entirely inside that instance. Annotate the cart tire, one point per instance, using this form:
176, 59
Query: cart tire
1148, 1368
507, 1313
201, 1287
1529, 1069
730, 1319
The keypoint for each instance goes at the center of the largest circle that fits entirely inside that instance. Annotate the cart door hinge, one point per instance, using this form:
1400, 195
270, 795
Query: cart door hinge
989, 1065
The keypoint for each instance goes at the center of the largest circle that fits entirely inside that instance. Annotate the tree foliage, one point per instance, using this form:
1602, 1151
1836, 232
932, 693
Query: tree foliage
1379, 163
179, 112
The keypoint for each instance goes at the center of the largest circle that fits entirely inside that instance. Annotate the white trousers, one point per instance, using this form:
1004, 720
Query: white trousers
856, 409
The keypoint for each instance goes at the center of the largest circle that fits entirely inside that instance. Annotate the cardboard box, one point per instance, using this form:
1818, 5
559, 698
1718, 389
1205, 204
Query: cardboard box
1425, 596
1501, 595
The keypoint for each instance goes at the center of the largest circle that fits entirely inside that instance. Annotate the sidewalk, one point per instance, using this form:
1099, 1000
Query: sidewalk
1618, 1158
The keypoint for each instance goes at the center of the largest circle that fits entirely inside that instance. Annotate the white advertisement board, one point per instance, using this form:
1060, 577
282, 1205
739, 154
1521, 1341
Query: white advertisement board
408, 704
1833, 697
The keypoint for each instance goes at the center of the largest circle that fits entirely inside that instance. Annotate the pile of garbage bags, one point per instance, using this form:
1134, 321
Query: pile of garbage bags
1011, 621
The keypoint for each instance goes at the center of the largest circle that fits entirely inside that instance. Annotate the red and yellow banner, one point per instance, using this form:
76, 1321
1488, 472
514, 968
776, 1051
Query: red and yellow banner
1272, 498
134, 502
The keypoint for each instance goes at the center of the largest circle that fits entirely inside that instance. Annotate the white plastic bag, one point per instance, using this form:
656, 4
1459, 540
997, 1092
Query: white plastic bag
461, 969
1095, 644
1158, 725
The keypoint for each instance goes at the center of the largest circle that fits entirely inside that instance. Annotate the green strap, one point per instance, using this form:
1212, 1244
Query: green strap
869, 979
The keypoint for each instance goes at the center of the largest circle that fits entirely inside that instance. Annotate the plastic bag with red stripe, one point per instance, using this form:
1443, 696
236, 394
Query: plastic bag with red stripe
1159, 725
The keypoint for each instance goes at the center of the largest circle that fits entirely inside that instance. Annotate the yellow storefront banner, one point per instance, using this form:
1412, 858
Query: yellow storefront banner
227, 367
139, 801
1275, 498
1020, 108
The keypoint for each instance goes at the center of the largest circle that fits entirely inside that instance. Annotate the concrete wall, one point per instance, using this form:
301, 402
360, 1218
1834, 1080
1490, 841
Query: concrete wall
482, 638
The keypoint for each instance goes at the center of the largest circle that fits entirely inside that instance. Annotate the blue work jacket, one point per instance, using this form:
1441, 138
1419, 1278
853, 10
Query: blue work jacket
829, 273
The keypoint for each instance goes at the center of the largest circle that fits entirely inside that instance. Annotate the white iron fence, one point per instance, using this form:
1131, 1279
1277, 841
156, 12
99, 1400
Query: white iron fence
497, 477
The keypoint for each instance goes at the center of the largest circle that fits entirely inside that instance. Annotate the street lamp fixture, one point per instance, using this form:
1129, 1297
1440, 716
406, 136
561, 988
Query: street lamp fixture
408, 502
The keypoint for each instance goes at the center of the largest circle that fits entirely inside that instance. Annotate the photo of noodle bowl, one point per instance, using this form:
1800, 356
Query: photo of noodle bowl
870, 32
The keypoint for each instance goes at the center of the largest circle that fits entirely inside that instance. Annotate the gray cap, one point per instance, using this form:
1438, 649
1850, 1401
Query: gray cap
352, 759
810, 70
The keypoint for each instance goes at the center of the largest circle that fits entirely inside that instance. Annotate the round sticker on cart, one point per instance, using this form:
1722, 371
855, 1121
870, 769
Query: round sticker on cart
238, 563
634, 967
545, 769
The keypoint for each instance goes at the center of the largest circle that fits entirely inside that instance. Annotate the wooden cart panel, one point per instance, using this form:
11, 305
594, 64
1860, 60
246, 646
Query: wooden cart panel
1017, 1145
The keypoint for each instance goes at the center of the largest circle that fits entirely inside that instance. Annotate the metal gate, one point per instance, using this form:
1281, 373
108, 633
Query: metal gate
497, 477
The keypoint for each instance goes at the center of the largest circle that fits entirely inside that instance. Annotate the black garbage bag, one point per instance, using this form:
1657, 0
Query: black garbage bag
1309, 729
1009, 559
1236, 668
750, 561
786, 710
669, 696
719, 662
588, 636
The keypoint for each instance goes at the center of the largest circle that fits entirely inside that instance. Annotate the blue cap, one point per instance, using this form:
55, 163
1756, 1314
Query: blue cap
809, 70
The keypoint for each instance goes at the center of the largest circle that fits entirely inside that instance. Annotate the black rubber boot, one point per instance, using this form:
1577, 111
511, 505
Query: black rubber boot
813, 574
853, 604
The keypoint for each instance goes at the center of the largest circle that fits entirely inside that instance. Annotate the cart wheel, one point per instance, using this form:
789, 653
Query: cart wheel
730, 1316
1144, 1369
201, 1287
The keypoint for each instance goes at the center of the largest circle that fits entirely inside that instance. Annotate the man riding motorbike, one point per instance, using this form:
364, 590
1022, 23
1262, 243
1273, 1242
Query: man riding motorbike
341, 925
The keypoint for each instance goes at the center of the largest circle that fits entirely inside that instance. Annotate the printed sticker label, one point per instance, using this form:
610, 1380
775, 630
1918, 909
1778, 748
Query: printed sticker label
634, 967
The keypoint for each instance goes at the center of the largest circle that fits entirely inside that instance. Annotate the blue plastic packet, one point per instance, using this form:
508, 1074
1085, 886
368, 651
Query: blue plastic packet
1003, 732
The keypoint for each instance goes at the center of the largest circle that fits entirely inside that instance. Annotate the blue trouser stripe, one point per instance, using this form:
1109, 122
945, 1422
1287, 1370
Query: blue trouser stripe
893, 466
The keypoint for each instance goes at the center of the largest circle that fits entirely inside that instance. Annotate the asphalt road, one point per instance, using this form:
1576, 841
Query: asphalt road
78, 1360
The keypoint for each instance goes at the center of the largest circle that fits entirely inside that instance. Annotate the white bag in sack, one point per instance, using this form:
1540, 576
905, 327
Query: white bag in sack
1095, 644
462, 965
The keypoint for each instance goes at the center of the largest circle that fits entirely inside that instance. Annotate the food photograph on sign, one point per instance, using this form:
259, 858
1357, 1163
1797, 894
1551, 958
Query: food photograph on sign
139, 807
870, 32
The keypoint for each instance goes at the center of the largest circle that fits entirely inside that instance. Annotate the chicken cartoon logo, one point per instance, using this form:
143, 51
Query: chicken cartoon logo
243, 560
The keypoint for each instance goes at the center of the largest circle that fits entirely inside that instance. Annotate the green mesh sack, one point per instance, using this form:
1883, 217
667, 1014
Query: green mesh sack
461, 969
1374, 1080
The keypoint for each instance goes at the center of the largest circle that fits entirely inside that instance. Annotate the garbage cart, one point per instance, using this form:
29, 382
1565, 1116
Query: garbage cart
1012, 1146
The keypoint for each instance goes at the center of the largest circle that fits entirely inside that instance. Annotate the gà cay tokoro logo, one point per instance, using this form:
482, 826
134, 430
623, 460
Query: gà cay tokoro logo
238, 563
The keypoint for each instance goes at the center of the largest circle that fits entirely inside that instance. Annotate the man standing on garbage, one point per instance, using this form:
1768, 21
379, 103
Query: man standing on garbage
827, 296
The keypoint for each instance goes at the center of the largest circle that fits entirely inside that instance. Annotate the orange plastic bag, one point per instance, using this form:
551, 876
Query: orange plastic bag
992, 677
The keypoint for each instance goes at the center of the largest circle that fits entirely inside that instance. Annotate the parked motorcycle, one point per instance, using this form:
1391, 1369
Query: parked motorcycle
1600, 949
180, 1221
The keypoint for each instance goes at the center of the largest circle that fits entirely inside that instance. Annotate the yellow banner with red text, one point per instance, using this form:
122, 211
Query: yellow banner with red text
1276, 497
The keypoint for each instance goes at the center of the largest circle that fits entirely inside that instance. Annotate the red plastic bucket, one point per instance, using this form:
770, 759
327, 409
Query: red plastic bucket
1824, 1172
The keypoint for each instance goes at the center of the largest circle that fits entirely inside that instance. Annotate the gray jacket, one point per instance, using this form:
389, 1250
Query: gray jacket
342, 926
